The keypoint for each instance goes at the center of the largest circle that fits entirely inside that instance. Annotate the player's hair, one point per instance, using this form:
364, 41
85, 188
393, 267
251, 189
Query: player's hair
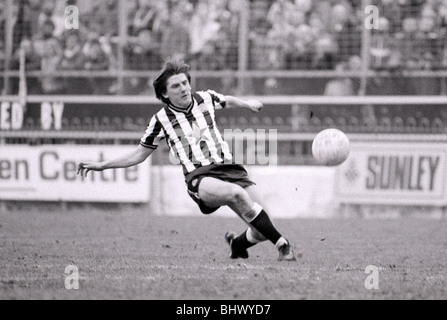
170, 68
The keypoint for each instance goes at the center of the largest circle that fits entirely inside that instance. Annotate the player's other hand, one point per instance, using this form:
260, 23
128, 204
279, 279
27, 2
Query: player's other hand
85, 167
255, 105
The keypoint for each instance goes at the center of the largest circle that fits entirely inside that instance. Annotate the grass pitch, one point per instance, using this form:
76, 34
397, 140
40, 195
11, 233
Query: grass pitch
136, 255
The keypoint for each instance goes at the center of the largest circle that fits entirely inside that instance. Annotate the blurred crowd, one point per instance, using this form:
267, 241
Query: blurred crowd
282, 35
202, 32
305, 34
39, 28
412, 35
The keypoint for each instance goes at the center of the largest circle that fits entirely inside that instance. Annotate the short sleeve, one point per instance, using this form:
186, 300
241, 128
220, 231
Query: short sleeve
219, 101
153, 135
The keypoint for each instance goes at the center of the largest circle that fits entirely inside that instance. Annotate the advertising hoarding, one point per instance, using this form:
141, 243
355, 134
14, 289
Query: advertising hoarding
394, 173
48, 173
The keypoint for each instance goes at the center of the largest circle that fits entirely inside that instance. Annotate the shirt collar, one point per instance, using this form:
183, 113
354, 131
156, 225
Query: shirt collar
187, 110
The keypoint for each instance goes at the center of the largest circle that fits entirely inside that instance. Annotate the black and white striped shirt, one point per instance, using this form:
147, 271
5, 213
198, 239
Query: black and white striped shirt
192, 134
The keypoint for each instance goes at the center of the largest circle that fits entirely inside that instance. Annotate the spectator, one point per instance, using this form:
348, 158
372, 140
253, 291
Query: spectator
391, 10
90, 11
93, 35
50, 51
381, 46
323, 9
34, 12
303, 5
279, 11
226, 40
266, 51
224, 52
96, 59
406, 41
32, 59
287, 46
132, 7
274, 48
102, 16
112, 15
58, 17
175, 41
340, 86
203, 31
143, 52
316, 24
259, 26
109, 23
73, 59
326, 53
146, 31
162, 16
144, 17
301, 46
429, 39
47, 13
340, 16
218, 6
347, 29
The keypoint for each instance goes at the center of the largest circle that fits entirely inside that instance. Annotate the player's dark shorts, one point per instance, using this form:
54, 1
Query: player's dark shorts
233, 173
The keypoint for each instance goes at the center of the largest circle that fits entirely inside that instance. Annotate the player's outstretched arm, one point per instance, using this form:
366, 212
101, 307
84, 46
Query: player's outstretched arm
253, 105
135, 157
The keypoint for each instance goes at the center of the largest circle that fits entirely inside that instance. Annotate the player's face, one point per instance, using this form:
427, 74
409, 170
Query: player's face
178, 91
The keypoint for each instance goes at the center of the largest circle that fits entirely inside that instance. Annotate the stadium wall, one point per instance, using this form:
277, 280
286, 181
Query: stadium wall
389, 180
287, 192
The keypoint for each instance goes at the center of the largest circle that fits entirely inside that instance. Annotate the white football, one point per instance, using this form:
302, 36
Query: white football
330, 147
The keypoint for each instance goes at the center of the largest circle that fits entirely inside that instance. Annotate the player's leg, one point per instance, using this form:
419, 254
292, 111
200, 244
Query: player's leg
285, 248
251, 236
263, 222
255, 195
214, 192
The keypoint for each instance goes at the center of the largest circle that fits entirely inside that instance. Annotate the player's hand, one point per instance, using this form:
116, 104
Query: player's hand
85, 167
255, 105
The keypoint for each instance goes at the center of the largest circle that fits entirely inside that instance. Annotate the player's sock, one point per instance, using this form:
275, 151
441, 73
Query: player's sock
246, 240
242, 243
264, 225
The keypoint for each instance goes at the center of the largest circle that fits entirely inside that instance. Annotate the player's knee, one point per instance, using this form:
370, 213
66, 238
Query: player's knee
237, 195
